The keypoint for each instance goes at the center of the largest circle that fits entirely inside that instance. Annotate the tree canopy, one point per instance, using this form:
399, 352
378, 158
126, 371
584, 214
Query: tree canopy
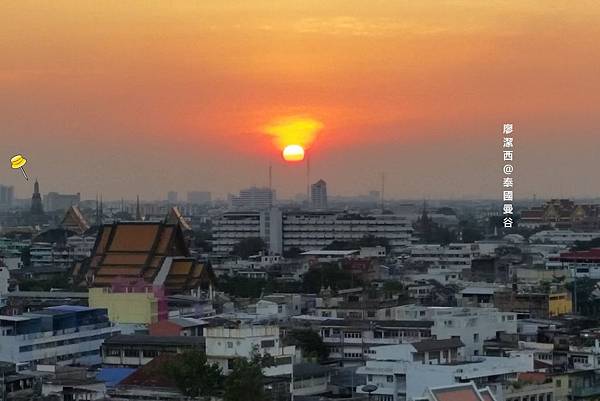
310, 342
248, 247
193, 375
245, 382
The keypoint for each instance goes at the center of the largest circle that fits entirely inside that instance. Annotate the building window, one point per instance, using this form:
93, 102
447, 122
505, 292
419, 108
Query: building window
370, 378
132, 353
150, 353
558, 383
390, 379
476, 337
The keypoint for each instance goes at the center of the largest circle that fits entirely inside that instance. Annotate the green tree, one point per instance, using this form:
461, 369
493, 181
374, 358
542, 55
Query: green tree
310, 342
248, 247
328, 275
193, 375
245, 382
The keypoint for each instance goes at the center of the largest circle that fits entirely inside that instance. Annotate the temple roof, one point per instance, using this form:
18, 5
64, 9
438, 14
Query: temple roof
75, 221
153, 251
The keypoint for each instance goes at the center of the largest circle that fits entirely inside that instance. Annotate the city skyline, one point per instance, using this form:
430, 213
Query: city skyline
121, 100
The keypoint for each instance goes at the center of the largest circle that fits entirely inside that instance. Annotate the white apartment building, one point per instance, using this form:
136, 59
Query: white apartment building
562, 237
350, 340
316, 230
404, 372
284, 230
60, 334
472, 325
452, 257
226, 343
254, 198
232, 227
81, 246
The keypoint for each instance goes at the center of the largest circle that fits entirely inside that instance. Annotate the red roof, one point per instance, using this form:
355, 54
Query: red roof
592, 254
532, 377
152, 374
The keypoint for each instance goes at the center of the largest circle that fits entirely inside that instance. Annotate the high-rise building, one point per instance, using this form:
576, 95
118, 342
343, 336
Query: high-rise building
199, 197
318, 195
7, 195
172, 197
54, 201
254, 198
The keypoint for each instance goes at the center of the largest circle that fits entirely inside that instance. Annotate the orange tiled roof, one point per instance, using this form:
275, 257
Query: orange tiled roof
134, 250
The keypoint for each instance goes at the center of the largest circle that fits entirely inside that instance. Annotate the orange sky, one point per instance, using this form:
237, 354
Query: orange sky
122, 97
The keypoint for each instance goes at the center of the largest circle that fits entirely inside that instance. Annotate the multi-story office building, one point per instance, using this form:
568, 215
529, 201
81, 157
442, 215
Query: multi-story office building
199, 197
254, 199
7, 196
318, 195
452, 257
59, 334
54, 201
284, 230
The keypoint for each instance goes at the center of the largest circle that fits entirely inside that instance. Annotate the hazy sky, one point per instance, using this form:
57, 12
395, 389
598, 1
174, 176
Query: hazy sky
126, 97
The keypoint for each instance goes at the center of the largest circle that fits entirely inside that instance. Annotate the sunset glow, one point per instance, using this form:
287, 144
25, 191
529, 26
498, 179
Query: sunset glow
293, 153
298, 131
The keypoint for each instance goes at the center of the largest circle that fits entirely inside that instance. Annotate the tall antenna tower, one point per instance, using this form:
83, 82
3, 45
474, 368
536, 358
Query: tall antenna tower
307, 180
382, 189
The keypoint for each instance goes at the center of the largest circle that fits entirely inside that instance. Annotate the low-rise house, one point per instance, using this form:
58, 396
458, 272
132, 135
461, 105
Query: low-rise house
401, 372
226, 342
138, 350
349, 340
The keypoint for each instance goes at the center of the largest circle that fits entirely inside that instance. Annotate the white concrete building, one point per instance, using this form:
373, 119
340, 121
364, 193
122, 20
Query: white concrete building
403, 372
285, 230
472, 325
226, 343
562, 237
318, 195
452, 257
254, 199
60, 334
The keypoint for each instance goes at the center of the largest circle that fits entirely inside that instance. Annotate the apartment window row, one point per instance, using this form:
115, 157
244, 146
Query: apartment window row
53, 344
534, 397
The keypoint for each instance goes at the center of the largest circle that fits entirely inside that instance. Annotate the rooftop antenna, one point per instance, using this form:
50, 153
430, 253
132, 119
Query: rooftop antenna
307, 179
270, 177
382, 189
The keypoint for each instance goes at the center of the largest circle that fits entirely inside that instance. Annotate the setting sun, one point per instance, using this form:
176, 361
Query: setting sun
293, 153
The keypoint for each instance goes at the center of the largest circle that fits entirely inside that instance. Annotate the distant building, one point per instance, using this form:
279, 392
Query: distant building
54, 201
581, 263
75, 221
254, 199
318, 195
60, 334
172, 197
562, 214
7, 196
199, 197
286, 230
